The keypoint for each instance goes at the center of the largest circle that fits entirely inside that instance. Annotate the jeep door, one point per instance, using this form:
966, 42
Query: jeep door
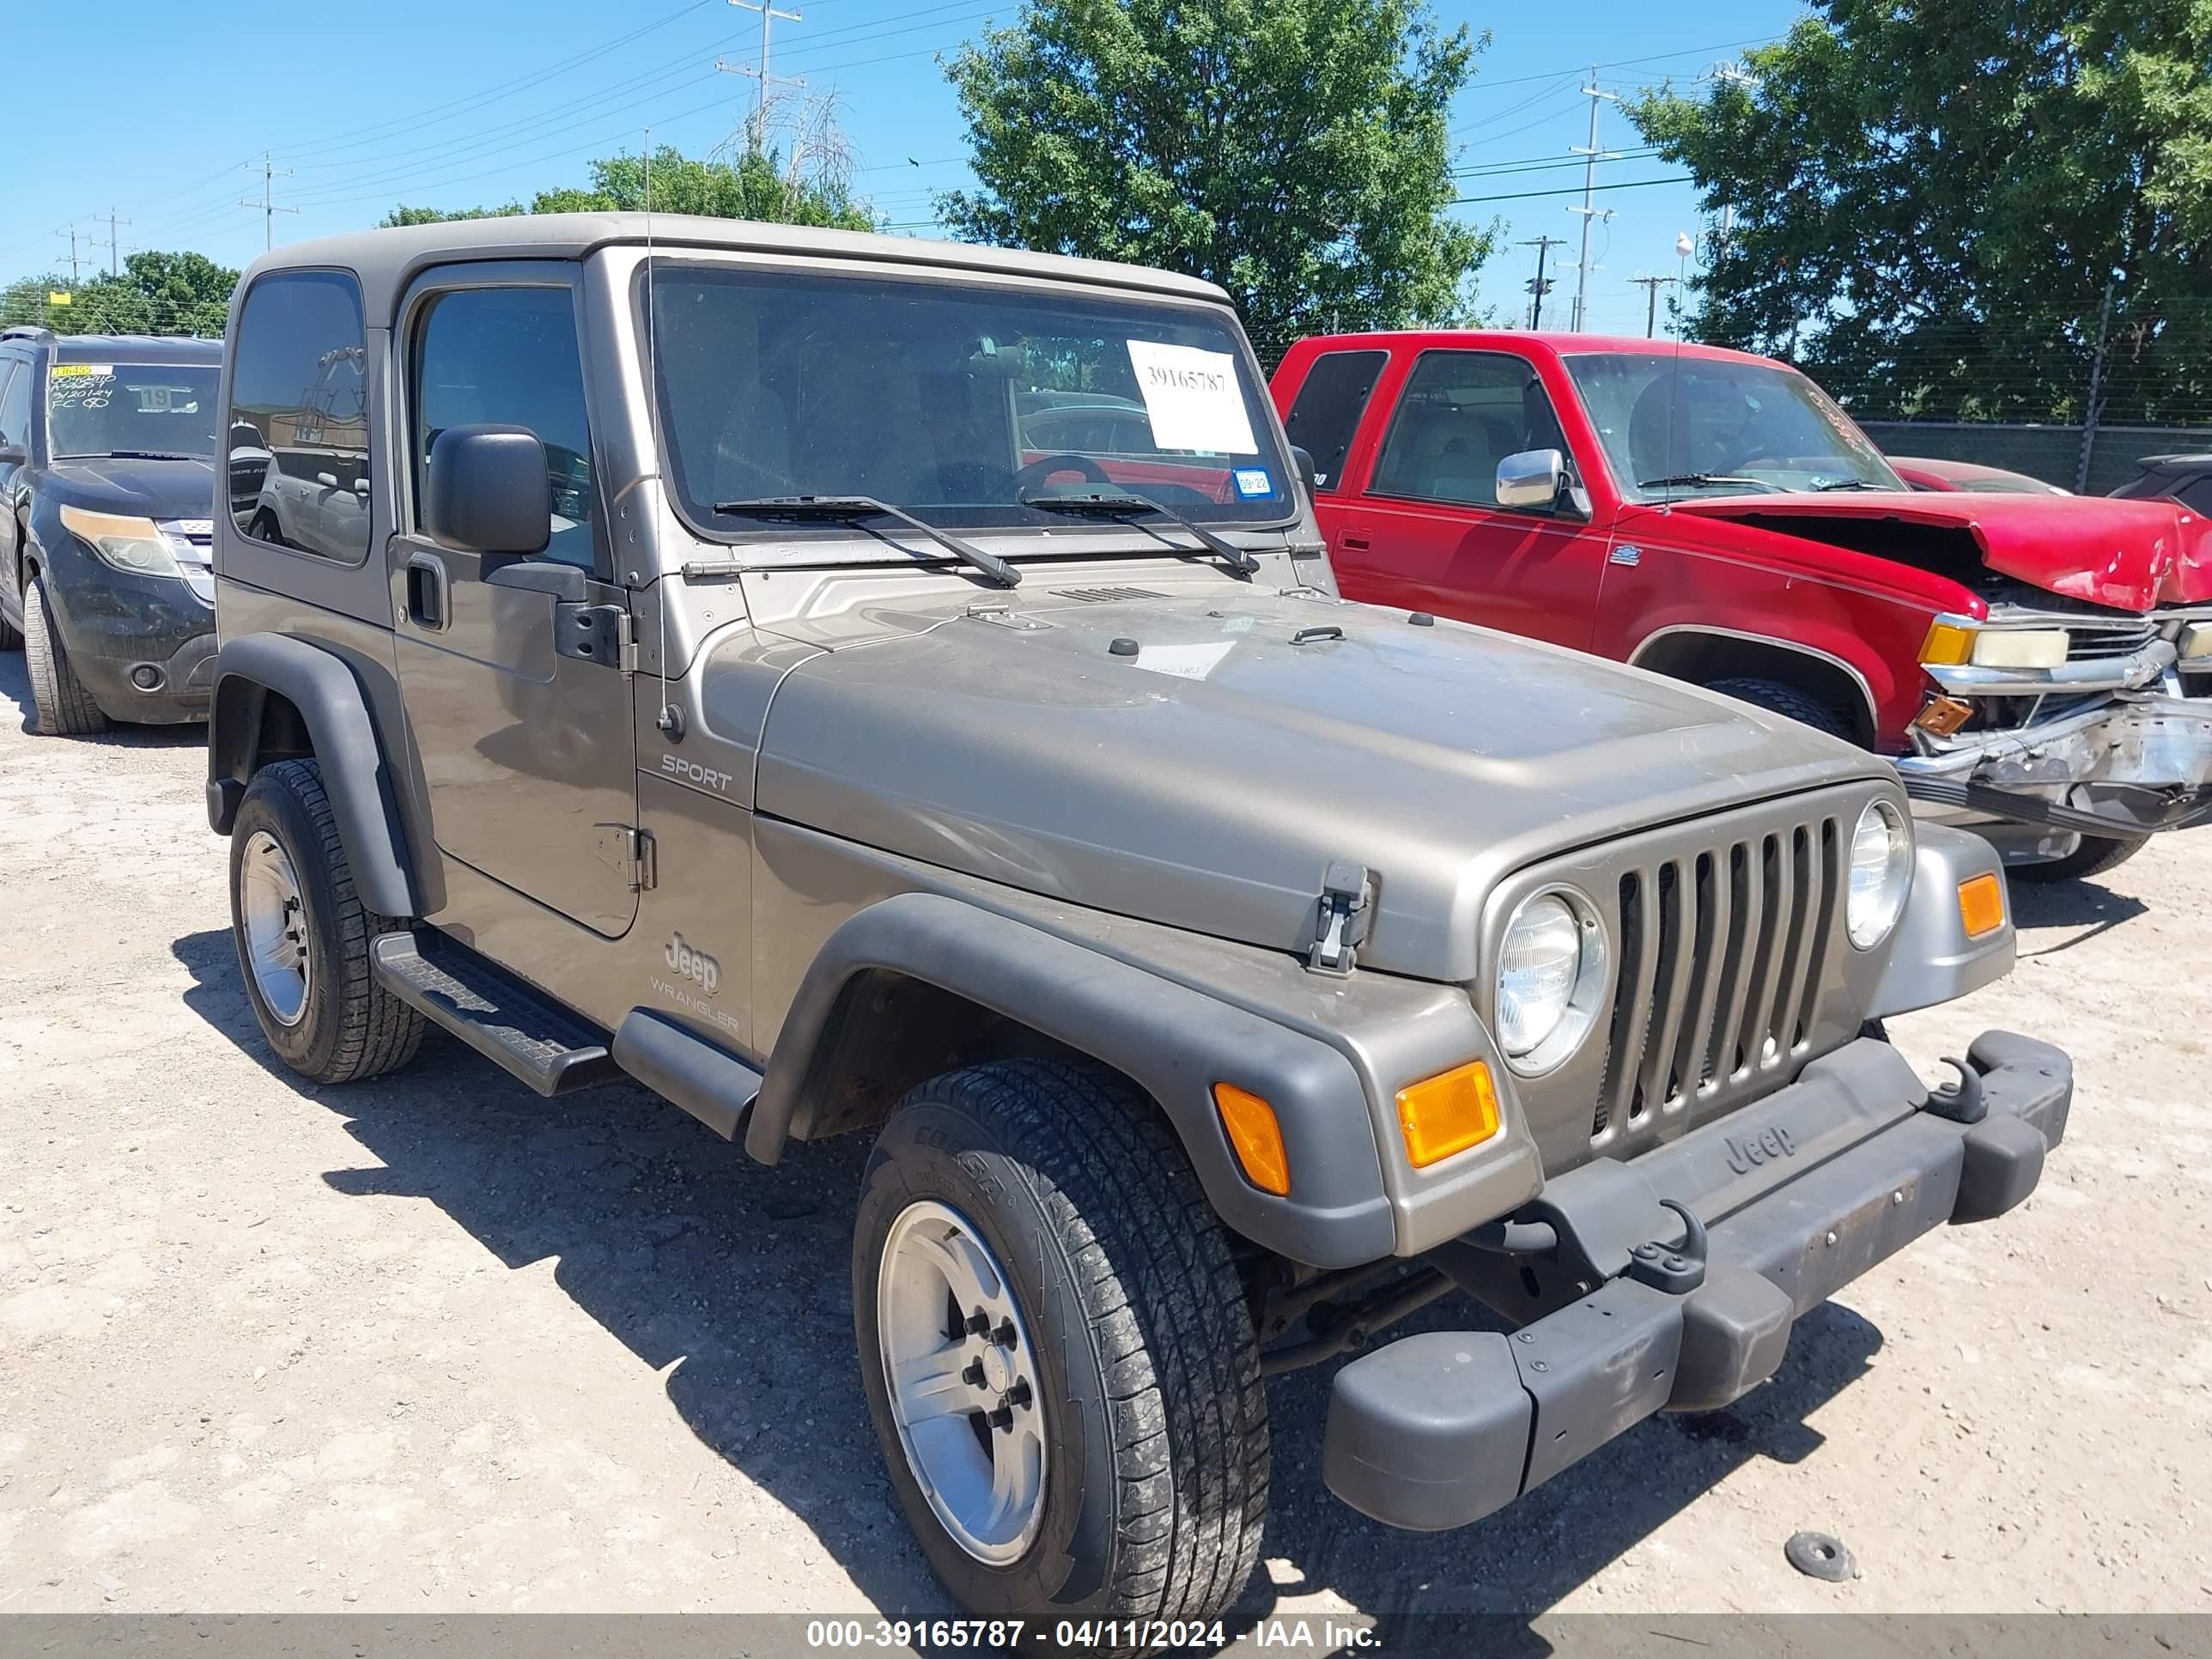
1426, 532
526, 746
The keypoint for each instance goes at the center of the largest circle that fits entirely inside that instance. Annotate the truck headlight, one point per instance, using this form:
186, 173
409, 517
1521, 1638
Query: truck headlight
1880, 875
134, 544
2021, 647
1551, 969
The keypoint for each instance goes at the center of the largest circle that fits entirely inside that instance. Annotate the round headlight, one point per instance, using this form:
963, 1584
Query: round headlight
1548, 964
1881, 874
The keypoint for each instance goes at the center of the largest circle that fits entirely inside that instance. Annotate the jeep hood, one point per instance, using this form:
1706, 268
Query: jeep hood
2130, 555
1208, 781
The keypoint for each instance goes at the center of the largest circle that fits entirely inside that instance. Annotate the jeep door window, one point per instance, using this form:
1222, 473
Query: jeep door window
508, 356
107, 408
1327, 410
1674, 425
1461, 413
297, 431
953, 402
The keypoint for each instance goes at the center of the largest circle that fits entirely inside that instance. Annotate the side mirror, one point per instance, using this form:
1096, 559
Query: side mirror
484, 490
1534, 478
1303, 461
12, 455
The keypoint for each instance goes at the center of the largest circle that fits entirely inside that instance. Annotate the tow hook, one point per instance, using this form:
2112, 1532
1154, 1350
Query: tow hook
1677, 1269
1961, 1102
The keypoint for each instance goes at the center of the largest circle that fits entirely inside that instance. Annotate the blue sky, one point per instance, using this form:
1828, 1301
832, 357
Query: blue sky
163, 116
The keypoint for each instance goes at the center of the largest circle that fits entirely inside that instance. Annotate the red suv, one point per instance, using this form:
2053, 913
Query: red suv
2039, 666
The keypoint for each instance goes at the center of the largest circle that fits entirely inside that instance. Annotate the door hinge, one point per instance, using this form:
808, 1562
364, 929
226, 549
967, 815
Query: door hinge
596, 633
631, 852
1342, 913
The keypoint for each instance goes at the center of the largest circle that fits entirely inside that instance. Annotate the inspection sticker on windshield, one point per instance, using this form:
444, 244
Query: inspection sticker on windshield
1193, 398
1253, 482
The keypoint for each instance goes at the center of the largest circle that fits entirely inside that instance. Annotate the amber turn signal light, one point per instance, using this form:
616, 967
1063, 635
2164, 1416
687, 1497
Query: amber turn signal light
1947, 644
1254, 1137
1981, 903
1943, 716
1448, 1112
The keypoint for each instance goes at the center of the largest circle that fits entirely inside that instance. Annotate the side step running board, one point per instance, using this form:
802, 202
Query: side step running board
491, 1011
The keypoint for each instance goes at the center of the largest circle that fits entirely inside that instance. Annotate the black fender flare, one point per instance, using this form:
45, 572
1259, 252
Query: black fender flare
355, 775
1175, 1041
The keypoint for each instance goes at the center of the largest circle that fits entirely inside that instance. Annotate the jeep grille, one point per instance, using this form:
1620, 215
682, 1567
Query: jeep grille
1730, 969
1718, 957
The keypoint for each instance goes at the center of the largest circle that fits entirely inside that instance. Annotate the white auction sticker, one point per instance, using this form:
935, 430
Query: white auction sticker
1193, 397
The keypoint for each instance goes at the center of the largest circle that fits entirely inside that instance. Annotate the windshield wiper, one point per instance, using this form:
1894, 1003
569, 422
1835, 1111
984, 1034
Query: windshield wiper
853, 507
131, 455
1687, 480
1123, 509
1847, 484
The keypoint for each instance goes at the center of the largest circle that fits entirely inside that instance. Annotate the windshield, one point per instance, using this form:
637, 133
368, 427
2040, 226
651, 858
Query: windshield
108, 409
953, 403
1674, 425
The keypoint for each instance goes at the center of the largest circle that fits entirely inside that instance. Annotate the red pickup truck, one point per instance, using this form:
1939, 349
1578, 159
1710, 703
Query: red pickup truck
2039, 666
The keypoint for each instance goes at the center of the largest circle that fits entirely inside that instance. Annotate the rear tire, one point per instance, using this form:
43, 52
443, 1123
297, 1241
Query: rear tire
1779, 698
65, 708
1149, 1408
293, 906
2095, 855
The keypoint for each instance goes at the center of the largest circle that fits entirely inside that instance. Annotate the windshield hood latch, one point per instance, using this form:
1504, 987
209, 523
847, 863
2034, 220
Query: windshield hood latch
1341, 914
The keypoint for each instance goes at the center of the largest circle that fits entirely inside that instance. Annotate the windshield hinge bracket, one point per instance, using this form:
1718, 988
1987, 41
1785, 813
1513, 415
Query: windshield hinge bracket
1341, 914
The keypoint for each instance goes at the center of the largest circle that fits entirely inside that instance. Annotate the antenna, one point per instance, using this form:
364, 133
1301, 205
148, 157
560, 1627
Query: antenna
669, 722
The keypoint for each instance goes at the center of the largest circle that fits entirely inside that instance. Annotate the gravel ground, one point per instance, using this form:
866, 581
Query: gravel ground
432, 1345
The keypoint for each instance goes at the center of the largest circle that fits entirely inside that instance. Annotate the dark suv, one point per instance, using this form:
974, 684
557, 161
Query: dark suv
106, 483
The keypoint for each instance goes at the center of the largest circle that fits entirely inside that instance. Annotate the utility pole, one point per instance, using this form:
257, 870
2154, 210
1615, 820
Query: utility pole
1651, 285
2090, 414
1592, 155
268, 208
768, 14
114, 268
75, 274
1539, 285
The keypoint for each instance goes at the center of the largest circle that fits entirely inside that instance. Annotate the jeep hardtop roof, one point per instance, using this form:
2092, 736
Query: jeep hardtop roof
387, 260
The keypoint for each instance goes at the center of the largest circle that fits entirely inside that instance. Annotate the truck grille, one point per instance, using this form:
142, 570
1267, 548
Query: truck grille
1719, 971
2093, 644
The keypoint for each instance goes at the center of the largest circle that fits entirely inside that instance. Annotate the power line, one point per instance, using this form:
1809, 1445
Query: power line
1529, 195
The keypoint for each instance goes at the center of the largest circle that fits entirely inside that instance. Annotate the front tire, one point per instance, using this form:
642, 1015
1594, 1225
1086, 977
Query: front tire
64, 707
1109, 1342
303, 935
2095, 855
1788, 701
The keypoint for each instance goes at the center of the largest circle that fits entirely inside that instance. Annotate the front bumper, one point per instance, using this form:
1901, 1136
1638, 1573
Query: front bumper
1799, 1193
143, 646
2132, 765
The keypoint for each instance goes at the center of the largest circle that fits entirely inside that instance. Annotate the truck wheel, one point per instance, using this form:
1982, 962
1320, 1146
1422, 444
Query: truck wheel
2095, 855
303, 935
1057, 1351
65, 708
1786, 699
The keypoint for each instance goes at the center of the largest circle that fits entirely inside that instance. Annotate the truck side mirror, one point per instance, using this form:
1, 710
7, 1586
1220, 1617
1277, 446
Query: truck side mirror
1532, 478
484, 490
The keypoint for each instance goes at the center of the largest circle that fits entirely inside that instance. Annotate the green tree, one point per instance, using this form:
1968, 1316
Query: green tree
155, 293
761, 184
1931, 203
1296, 152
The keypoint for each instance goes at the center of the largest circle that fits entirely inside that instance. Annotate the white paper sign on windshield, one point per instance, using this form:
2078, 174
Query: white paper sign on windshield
1193, 398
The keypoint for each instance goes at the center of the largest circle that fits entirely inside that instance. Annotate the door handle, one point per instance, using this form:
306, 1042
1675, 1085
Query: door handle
427, 588
1356, 543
